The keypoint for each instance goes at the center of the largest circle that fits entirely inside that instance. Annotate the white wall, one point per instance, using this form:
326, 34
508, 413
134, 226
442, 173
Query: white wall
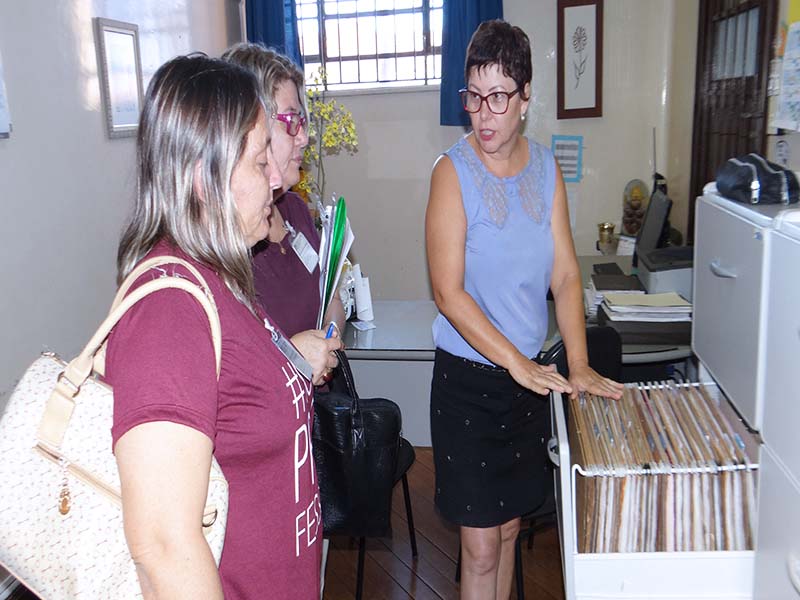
65, 188
649, 65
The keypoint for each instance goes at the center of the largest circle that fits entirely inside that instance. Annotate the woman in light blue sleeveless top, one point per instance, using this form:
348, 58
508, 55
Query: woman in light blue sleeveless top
498, 237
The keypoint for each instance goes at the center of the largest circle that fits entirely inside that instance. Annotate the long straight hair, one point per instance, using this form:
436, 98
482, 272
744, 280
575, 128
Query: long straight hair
192, 131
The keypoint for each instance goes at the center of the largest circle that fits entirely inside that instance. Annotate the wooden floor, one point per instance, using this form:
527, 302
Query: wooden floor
390, 573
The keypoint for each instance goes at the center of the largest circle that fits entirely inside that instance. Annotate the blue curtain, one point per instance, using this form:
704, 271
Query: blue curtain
460, 20
274, 24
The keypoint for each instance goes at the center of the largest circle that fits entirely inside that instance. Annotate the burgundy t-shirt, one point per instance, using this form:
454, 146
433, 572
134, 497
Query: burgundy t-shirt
160, 361
285, 288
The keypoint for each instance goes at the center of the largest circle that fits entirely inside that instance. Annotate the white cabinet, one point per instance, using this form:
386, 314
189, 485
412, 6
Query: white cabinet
778, 557
726, 323
781, 423
731, 261
748, 338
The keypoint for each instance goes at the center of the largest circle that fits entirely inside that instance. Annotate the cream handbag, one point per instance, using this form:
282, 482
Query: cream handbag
60, 516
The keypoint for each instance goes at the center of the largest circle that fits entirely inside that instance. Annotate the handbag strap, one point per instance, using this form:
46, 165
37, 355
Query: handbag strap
99, 366
152, 263
357, 419
61, 403
346, 373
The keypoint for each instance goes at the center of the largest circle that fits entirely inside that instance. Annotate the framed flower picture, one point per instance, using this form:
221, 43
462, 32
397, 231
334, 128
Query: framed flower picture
580, 58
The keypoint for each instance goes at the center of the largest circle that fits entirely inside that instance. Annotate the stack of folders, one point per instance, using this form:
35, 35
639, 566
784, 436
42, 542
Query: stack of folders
665, 469
648, 318
602, 284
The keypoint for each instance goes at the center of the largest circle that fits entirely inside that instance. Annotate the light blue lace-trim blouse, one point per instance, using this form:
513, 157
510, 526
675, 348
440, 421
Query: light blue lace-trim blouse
508, 258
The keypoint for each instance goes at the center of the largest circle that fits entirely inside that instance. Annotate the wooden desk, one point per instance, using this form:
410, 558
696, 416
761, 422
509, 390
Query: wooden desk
395, 360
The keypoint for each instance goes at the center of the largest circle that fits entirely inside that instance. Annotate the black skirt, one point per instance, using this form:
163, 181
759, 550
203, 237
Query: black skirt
488, 435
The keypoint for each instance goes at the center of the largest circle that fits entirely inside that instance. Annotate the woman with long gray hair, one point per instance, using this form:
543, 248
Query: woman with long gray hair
204, 194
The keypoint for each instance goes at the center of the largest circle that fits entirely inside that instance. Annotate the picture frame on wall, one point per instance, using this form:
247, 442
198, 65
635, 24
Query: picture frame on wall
580, 58
119, 67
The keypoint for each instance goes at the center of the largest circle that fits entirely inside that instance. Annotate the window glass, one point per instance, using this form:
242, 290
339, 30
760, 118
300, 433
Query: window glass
751, 53
366, 43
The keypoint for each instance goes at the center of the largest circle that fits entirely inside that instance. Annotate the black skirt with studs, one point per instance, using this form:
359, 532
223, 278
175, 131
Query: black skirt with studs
488, 435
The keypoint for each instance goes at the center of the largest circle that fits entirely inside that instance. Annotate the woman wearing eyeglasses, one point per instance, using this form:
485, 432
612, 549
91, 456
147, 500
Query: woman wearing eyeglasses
286, 264
498, 237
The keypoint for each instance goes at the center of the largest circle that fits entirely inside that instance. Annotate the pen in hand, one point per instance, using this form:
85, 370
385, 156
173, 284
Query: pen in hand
328, 334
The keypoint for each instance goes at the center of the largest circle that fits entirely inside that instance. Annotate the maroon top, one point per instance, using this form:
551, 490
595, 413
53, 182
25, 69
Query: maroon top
160, 361
285, 288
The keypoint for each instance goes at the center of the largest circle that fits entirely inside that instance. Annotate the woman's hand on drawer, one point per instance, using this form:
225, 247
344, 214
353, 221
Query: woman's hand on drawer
583, 378
542, 379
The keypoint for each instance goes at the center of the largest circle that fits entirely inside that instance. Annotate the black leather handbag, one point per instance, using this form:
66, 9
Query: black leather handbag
752, 179
356, 443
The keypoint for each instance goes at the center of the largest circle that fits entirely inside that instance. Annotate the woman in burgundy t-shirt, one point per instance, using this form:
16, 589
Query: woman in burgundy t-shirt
171, 412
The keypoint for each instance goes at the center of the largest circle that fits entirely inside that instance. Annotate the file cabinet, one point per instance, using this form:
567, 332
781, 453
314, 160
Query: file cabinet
746, 338
777, 567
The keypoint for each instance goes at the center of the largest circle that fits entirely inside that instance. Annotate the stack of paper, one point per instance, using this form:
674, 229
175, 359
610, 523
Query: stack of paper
662, 470
602, 284
648, 318
336, 238
652, 308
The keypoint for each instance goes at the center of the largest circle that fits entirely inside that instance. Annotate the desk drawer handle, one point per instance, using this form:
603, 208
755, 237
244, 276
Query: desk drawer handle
552, 450
793, 566
721, 271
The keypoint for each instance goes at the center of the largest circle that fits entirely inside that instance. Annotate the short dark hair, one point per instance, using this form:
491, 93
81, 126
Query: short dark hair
496, 42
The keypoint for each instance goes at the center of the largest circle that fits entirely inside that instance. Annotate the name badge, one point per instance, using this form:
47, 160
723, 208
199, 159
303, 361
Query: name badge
290, 352
305, 251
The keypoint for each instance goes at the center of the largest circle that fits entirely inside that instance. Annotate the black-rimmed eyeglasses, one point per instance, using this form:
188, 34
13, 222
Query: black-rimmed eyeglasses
293, 121
497, 102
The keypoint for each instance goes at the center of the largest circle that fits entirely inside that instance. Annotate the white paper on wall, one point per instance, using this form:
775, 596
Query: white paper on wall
788, 116
5, 114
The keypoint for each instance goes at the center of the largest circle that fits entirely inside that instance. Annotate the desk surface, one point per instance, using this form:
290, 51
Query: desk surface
403, 329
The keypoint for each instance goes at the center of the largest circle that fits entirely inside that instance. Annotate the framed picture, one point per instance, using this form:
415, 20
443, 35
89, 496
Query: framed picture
120, 72
580, 59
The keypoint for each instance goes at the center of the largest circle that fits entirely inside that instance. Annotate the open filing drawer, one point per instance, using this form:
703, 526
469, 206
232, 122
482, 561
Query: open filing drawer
595, 575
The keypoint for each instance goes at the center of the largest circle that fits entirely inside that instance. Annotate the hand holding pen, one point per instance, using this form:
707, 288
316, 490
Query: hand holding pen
329, 334
318, 348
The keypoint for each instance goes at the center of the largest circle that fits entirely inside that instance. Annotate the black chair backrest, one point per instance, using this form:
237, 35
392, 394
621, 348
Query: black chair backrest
605, 353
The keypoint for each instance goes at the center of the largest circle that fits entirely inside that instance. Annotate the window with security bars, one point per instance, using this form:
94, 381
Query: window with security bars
371, 43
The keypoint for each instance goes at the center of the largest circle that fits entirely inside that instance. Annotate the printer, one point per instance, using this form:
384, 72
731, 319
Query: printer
667, 269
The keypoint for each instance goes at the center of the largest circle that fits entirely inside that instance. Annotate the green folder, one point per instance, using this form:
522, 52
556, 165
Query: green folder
336, 242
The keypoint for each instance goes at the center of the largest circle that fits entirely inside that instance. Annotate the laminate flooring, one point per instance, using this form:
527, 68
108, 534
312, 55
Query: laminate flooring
390, 573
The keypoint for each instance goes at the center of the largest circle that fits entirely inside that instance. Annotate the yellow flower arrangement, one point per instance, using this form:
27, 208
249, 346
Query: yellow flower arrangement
331, 130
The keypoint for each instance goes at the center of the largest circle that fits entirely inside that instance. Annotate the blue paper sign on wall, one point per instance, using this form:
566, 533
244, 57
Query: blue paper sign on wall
568, 150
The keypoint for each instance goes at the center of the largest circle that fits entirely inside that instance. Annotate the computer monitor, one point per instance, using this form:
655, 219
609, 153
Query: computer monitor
650, 234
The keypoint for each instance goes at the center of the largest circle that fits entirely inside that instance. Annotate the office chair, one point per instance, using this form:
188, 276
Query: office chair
344, 382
